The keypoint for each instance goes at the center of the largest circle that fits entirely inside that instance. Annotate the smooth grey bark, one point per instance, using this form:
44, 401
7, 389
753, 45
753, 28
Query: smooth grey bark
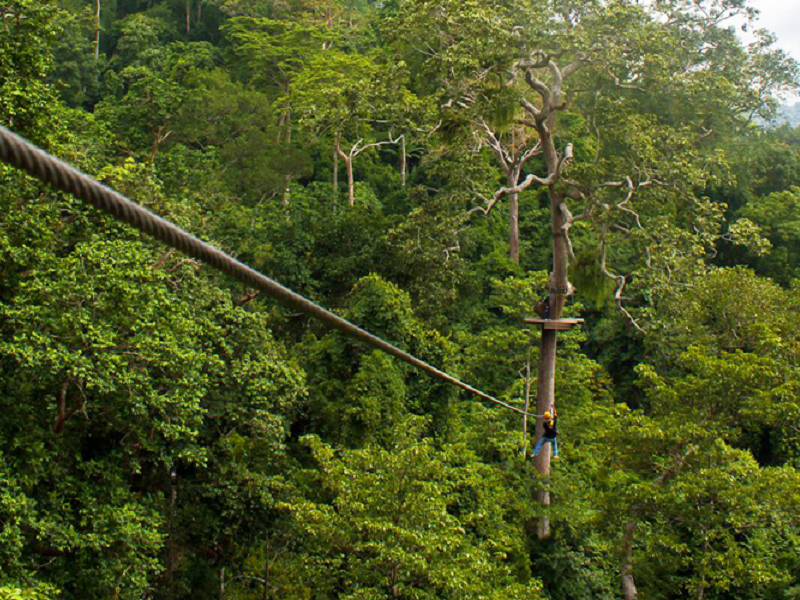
403, 161
545, 393
351, 186
513, 221
559, 288
629, 591
288, 141
335, 172
543, 120
348, 158
512, 161
97, 29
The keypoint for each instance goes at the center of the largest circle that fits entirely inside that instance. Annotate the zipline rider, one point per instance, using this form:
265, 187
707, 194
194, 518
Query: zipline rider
550, 433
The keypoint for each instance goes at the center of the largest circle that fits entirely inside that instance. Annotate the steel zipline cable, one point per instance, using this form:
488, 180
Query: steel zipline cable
20, 153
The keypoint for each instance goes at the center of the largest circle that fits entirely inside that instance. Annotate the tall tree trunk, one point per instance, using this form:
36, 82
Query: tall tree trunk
335, 173
188, 16
327, 45
266, 576
559, 289
199, 13
222, 583
403, 161
351, 188
281, 123
545, 395
393, 578
348, 163
512, 180
288, 141
629, 591
628, 586
513, 227
172, 547
97, 29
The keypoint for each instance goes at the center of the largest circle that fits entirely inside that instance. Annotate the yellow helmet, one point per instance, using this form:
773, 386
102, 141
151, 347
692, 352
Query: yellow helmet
548, 416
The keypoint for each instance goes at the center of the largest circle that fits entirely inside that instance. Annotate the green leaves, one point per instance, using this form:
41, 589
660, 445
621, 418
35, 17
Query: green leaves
410, 519
274, 51
776, 215
167, 434
28, 593
25, 62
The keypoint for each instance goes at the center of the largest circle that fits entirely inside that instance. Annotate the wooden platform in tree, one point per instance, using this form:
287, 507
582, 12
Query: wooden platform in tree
555, 324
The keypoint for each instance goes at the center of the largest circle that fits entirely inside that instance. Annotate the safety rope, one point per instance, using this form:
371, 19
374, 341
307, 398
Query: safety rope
20, 153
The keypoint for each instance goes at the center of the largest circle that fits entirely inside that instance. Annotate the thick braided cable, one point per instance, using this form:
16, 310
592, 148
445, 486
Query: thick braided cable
20, 153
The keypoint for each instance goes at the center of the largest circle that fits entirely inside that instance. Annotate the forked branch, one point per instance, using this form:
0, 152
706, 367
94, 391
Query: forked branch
620, 280
563, 163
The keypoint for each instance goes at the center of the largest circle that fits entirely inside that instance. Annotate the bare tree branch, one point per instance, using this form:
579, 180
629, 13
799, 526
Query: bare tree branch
530, 108
566, 159
574, 66
618, 83
536, 150
541, 89
496, 146
620, 280
247, 298
355, 150
558, 79
568, 220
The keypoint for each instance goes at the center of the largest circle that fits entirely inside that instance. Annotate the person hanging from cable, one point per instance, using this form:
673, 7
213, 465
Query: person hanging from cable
550, 433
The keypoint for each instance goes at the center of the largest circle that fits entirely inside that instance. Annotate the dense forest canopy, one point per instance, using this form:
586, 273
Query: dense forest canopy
430, 170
